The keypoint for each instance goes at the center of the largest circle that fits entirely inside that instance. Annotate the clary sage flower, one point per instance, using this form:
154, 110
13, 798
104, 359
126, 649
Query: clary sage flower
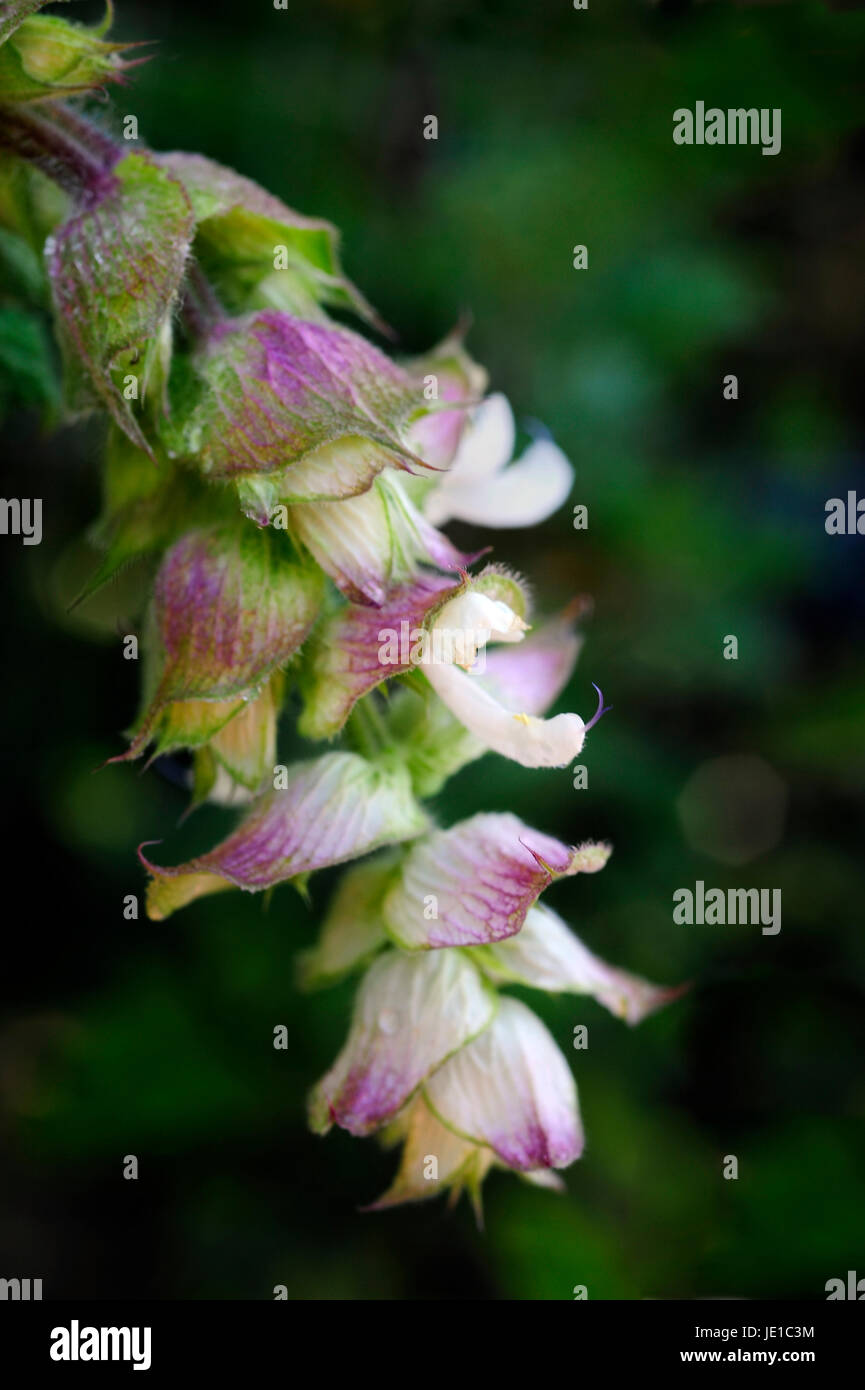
281, 483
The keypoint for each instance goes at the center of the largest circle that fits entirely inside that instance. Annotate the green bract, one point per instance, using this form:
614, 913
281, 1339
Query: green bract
116, 268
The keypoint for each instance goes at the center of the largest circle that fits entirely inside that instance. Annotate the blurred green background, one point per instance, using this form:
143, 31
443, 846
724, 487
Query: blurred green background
706, 518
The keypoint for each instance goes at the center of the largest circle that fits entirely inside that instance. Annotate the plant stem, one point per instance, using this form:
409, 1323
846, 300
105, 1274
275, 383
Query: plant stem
368, 728
54, 150
87, 135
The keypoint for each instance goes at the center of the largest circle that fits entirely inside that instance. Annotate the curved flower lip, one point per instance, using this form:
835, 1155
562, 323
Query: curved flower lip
411, 1013
483, 876
524, 738
331, 809
359, 648
482, 489
511, 1088
483, 710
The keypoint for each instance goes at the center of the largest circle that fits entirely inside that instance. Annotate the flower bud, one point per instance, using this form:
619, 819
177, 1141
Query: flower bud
47, 58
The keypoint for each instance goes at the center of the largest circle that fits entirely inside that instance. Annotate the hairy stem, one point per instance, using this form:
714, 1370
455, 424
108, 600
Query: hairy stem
89, 136
367, 728
55, 149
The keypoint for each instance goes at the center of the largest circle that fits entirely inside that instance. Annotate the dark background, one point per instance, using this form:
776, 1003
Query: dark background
706, 519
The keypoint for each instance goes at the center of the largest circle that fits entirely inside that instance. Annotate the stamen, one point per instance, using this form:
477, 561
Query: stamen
601, 710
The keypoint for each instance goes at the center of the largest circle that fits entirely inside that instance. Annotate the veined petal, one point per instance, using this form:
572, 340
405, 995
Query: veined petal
414, 539
331, 809
411, 1013
474, 883
358, 648
351, 542
547, 955
369, 543
332, 473
246, 746
230, 608
523, 737
511, 1088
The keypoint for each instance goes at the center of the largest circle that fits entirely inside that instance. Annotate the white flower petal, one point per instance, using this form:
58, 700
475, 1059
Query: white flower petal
523, 495
466, 624
524, 738
488, 442
351, 541
485, 448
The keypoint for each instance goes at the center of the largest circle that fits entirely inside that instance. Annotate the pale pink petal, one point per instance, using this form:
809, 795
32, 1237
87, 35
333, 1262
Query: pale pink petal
474, 883
332, 808
529, 677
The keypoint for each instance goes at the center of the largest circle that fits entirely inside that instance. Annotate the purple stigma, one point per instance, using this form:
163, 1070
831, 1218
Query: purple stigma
601, 710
